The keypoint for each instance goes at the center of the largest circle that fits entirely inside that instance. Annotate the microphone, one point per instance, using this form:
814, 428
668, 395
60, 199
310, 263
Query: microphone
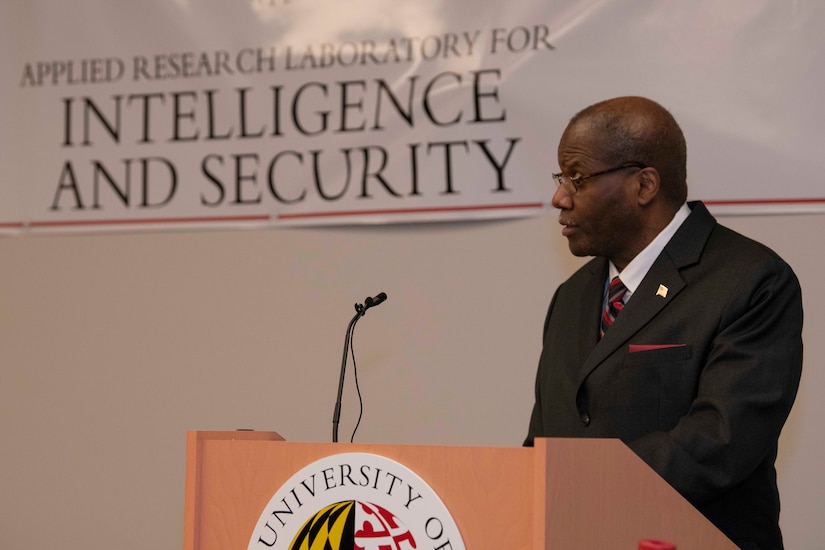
372, 302
360, 311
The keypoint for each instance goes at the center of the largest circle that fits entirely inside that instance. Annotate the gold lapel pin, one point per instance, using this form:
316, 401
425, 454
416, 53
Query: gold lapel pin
662, 291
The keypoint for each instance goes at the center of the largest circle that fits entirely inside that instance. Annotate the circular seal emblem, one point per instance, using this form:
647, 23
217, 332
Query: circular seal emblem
355, 501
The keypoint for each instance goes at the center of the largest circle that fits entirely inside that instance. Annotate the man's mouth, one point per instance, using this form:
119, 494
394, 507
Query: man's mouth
568, 227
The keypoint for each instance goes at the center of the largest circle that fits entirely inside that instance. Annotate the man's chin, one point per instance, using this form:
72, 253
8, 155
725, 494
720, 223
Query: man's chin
578, 249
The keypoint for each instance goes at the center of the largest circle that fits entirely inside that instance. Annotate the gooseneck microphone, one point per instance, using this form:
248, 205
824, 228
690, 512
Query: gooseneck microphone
360, 311
372, 302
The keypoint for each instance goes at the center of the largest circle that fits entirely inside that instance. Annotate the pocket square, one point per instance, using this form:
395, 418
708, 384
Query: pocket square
635, 348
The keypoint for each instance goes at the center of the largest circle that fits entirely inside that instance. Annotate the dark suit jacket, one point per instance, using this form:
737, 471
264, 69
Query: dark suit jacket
706, 413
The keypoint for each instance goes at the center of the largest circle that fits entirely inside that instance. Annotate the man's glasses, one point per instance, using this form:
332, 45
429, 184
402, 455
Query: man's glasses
573, 184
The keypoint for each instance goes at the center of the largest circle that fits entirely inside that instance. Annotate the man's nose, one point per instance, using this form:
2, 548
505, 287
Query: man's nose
561, 198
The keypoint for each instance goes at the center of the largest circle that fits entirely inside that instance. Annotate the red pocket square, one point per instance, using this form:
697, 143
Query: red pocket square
634, 348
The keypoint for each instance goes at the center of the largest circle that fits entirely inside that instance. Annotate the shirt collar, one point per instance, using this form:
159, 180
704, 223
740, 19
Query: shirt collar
638, 267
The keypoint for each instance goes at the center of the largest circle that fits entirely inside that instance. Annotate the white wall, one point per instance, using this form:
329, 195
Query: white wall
113, 346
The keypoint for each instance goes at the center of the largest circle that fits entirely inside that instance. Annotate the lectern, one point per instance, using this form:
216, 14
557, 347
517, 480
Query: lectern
566, 494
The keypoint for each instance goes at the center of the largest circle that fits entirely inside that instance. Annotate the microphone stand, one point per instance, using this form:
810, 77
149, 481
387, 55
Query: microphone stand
336, 415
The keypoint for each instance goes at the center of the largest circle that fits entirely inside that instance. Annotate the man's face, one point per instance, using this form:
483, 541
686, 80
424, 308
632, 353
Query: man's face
601, 218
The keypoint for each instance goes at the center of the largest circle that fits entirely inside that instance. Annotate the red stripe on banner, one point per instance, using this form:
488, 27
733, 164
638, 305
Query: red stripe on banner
145, 221
428, 210
12, 225
349, 213
811, 200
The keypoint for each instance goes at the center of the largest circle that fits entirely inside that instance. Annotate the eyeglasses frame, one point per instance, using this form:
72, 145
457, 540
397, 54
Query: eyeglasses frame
576, 183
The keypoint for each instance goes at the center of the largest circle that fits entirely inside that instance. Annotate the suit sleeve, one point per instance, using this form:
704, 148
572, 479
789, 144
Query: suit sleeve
747, 385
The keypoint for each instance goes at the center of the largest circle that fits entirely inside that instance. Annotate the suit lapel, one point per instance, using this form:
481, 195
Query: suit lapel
684, 249
591, 308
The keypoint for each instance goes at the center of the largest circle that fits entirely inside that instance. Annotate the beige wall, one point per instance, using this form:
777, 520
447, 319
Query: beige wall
112, 346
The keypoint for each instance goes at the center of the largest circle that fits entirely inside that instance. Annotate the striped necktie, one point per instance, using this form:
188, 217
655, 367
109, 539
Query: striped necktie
614, 305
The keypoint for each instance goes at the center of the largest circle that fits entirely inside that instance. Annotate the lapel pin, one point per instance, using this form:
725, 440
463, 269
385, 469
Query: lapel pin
662, 291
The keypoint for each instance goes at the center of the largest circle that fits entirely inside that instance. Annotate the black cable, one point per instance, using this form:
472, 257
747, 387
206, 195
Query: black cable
357, 388
336, 414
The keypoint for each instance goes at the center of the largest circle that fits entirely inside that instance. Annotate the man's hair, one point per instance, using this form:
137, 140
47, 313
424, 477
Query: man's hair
636, 129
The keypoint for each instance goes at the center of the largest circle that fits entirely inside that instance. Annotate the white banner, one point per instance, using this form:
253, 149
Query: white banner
190, 113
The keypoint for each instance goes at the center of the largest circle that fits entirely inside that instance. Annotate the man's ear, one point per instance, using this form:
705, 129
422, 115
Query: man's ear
649, 184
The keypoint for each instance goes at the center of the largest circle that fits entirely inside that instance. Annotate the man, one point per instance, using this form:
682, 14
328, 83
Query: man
694, 359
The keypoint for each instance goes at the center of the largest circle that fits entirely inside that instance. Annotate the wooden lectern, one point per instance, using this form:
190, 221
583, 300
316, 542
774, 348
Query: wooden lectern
570, 494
